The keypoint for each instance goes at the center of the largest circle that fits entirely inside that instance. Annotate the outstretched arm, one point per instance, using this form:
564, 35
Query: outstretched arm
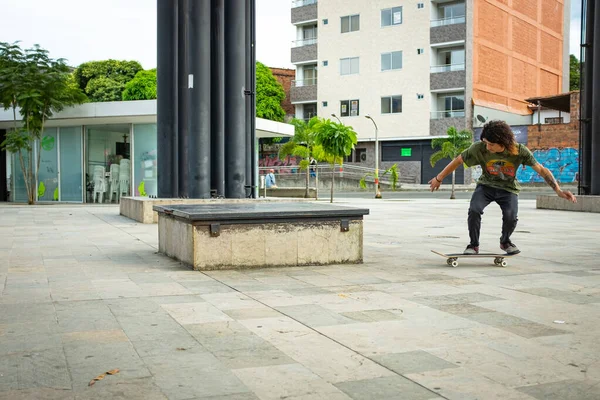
549, 178
435, 183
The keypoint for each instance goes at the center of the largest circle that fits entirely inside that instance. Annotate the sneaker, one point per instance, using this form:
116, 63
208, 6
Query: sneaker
509, 248
471, 249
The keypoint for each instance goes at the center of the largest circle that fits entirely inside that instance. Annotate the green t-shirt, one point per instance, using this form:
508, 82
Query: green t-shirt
498, 170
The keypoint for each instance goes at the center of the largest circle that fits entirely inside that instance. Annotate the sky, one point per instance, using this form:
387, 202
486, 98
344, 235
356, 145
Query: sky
87, 30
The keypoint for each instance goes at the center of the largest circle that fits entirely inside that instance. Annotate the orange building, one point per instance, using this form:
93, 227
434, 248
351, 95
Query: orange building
519, 50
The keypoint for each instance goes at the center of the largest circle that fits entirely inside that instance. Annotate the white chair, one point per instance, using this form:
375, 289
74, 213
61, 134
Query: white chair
124, 177
99, 183
114, 182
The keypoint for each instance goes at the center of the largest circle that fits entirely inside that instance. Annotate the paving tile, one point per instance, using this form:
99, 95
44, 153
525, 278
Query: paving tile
562, 295
390, 387
461, 308
252, 313
564, 390
533, 330
195, 313
412, 361
455, 298
314, 315
371, 315
34, 369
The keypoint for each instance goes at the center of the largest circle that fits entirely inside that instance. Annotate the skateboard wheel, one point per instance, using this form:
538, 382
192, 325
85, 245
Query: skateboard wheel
497, 260
449, 261
503, 263
454, 264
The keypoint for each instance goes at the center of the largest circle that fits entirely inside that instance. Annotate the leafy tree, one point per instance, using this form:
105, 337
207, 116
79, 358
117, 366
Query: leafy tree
393, 171
337, 141
269, 94
574, 73
38, 86
450, 147
142, 87
105, 80
303, 145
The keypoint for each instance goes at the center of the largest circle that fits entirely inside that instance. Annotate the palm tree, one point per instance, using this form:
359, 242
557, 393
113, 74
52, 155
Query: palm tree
337, 141
450, 147
302, 145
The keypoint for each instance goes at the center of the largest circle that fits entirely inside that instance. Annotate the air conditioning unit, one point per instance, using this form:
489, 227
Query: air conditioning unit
363, 157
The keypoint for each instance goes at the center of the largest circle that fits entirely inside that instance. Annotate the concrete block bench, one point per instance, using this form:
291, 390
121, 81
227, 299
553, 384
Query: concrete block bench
254, 235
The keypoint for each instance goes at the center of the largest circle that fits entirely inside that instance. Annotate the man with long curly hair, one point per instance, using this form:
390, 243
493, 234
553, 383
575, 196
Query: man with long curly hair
499, 156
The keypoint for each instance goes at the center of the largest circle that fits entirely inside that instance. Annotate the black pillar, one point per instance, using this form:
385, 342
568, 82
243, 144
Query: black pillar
3, 180
235, 132
217, 120
594, 87
183, 95
167, 98
253, 150
199, 90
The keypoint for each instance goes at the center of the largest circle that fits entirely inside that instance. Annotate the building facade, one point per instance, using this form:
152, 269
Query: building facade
419, 67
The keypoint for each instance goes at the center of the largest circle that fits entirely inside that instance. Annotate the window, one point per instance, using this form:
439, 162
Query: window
324, 103
420, 5
325, 21
451, 105
420, 51
350, 23
325, 63
391, 16
309, 111
391, 104
420, 96
349, 66
456, 10
360, 155
452, 59
391, 60
349, 108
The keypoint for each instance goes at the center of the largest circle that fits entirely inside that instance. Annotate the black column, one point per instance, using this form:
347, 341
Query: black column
167, 98
235, 132
3, 180
594, 87
184, 80
199, 89
253, 151
217, 120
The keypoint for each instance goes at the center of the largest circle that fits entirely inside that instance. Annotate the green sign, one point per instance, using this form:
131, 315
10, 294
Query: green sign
406, 152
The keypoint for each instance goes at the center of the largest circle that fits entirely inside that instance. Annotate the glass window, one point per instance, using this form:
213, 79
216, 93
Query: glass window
391, 16
349, 108
391, 60
349, 66
391, 104
350, 23
19, 192
144, 157
453, 10
71, 170
47, 189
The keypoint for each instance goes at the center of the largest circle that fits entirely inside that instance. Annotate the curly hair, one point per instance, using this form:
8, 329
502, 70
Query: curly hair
499, 132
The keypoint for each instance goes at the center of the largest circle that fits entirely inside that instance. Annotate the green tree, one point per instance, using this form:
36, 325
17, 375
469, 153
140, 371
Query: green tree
38, 86
105, 80
337, 141
142, 86
450, 147
269, 94
574, 73
303, 145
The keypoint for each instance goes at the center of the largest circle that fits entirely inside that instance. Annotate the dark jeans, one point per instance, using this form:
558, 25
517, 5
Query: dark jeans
508, 202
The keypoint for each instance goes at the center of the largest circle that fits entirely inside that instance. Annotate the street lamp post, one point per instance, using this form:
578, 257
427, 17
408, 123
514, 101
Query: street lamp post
335, 116
377, 188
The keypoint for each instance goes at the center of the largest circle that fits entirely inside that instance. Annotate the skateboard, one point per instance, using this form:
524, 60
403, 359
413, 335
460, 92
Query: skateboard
452, 258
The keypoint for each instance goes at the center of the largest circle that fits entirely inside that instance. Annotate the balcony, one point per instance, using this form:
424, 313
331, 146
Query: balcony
447, 114
442, 120
303, 90
448, 30
304, 10
447, 76
304, 50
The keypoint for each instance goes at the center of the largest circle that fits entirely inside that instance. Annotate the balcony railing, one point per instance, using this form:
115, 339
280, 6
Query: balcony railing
304, 82
447, 114
448, 21
447, 68
300, 3
304, 42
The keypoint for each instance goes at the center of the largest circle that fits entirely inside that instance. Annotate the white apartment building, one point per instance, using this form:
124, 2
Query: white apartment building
419, 67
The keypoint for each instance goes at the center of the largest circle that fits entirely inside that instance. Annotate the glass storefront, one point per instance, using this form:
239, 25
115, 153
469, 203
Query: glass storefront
95, 163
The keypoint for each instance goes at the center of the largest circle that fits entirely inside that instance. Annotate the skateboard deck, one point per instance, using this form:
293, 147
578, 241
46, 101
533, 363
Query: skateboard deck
452, 258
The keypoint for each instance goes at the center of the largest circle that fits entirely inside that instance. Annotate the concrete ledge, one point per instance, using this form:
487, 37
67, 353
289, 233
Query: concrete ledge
584, 203
296, 192
140, 208
261, 235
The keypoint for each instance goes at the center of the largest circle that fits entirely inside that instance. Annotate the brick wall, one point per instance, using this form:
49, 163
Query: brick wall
547, 136
285, 77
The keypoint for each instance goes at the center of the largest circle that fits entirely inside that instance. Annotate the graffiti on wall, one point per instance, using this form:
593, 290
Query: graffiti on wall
563, 163
271, 160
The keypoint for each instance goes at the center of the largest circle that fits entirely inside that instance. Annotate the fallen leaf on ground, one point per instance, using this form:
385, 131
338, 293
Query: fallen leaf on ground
98, 378
113, 371
181, 348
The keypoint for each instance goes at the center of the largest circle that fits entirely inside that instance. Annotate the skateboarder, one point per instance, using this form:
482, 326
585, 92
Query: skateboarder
499, 156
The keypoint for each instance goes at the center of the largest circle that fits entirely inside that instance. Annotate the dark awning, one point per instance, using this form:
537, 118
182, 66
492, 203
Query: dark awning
560, 102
